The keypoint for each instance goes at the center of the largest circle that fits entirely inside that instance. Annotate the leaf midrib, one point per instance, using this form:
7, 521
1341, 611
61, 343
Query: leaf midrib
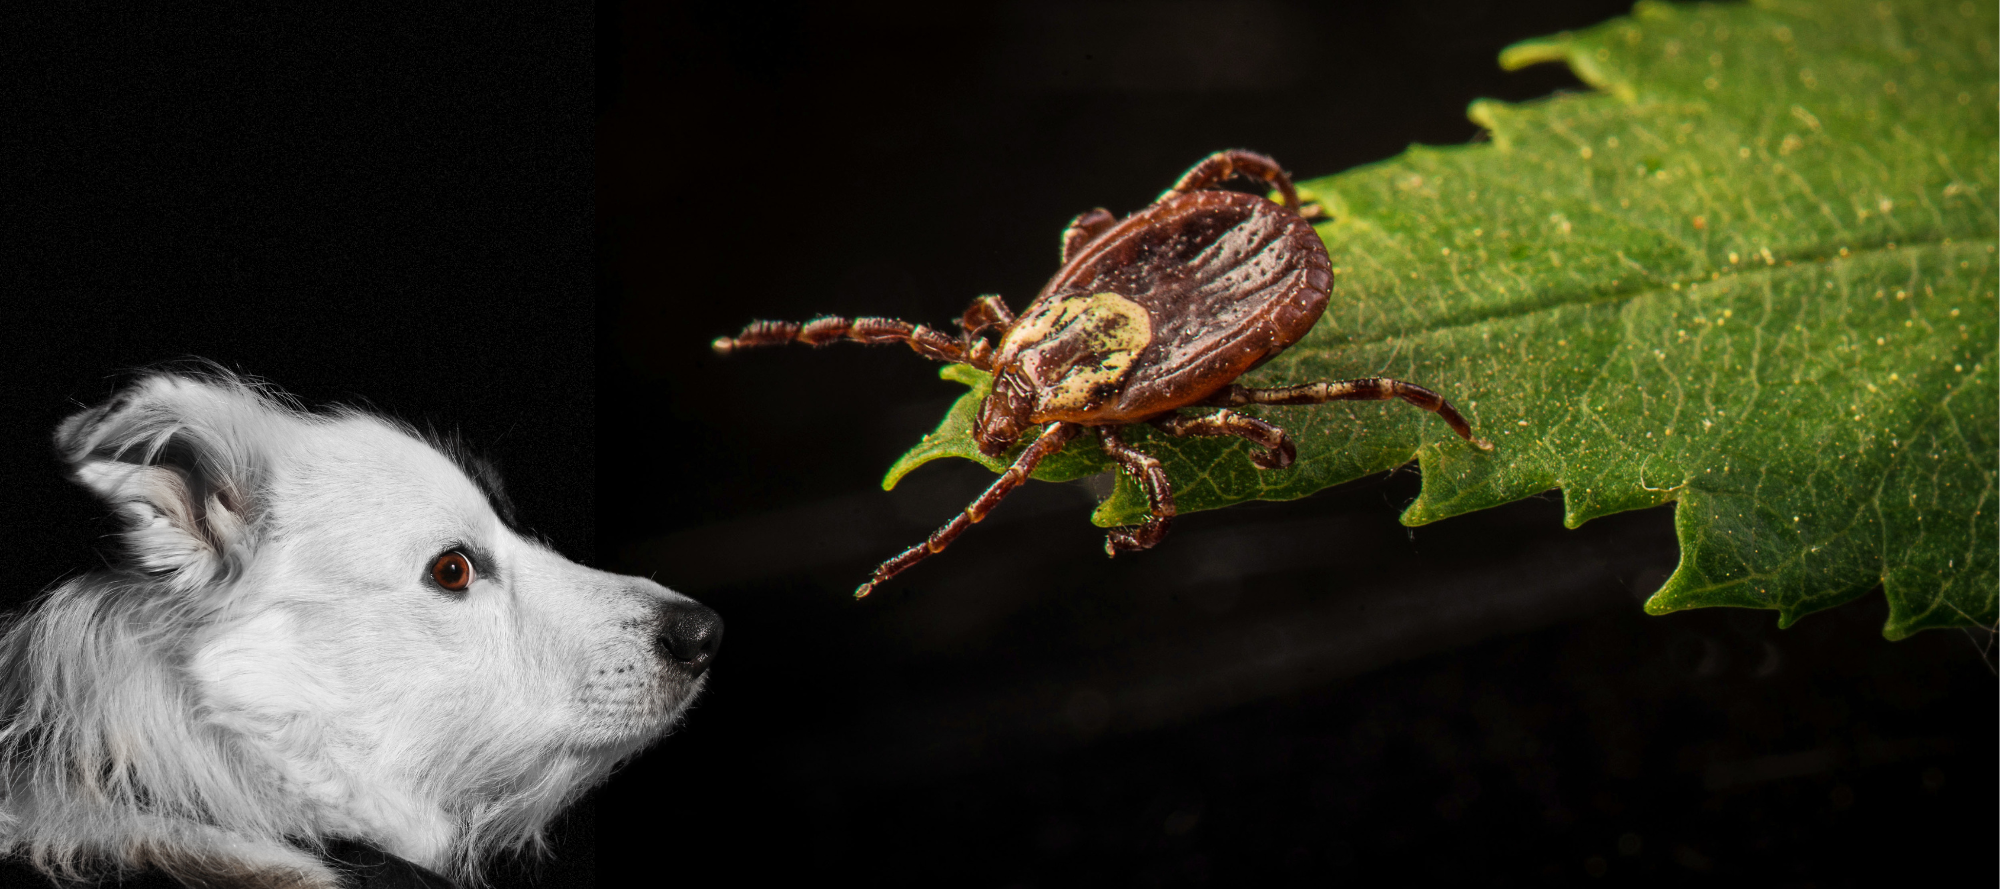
1617, 297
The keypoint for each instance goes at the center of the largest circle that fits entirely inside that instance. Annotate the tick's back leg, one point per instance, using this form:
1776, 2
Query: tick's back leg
928, 342
1278, 452
1236, 162
1051, 440
1371, 389
1084, 229
1152, 478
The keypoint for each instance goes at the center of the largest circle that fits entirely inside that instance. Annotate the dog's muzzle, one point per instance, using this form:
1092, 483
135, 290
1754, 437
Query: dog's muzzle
690, 633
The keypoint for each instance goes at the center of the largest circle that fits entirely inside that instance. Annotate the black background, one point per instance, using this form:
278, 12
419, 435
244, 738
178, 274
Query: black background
391, 204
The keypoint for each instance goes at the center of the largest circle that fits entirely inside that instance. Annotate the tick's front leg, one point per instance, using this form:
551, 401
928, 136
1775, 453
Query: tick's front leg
1152, 478
930, 343
1278, 453
1051, 440
986, 313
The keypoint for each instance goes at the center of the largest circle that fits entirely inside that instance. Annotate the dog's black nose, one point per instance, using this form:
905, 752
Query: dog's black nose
689, 634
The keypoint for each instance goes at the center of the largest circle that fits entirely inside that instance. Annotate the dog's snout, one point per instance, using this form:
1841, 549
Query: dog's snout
690, 633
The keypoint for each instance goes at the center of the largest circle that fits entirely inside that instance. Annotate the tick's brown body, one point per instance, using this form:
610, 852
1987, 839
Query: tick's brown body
1150, 314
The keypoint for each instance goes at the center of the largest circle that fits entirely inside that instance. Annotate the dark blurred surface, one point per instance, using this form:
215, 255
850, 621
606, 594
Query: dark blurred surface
1280, 692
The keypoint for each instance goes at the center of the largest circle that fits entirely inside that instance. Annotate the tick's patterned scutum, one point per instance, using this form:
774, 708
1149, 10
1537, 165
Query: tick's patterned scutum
1226, 284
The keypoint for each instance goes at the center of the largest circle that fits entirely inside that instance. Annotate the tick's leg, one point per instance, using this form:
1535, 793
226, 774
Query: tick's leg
1050, 441
986, 313
1236, 162
1372, 389
1144, 469
926, 341
1084, 229
1278, 453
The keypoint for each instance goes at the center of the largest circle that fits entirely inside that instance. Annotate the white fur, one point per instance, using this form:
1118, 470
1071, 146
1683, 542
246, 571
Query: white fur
270, 665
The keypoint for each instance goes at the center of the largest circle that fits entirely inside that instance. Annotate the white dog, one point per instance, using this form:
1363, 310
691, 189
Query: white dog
323, 630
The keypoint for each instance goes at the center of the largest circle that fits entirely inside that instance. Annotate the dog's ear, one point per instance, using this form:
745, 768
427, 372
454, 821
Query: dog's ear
178, 459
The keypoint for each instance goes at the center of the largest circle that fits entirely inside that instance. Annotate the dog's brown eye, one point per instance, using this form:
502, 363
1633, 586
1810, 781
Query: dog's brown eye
453, 571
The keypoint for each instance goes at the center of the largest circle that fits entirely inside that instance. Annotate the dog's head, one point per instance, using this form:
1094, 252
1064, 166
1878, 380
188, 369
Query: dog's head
352, 606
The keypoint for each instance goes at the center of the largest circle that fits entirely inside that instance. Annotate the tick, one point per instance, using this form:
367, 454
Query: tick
1150, 314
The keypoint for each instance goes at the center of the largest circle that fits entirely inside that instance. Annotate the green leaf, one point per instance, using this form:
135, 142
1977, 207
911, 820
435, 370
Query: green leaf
1752, 274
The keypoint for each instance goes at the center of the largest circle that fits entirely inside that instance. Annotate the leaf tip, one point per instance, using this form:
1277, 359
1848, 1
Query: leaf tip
1562, 48
1126, 505
949, 440
1676, 594
1534, 52
896, 472
1425, 509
